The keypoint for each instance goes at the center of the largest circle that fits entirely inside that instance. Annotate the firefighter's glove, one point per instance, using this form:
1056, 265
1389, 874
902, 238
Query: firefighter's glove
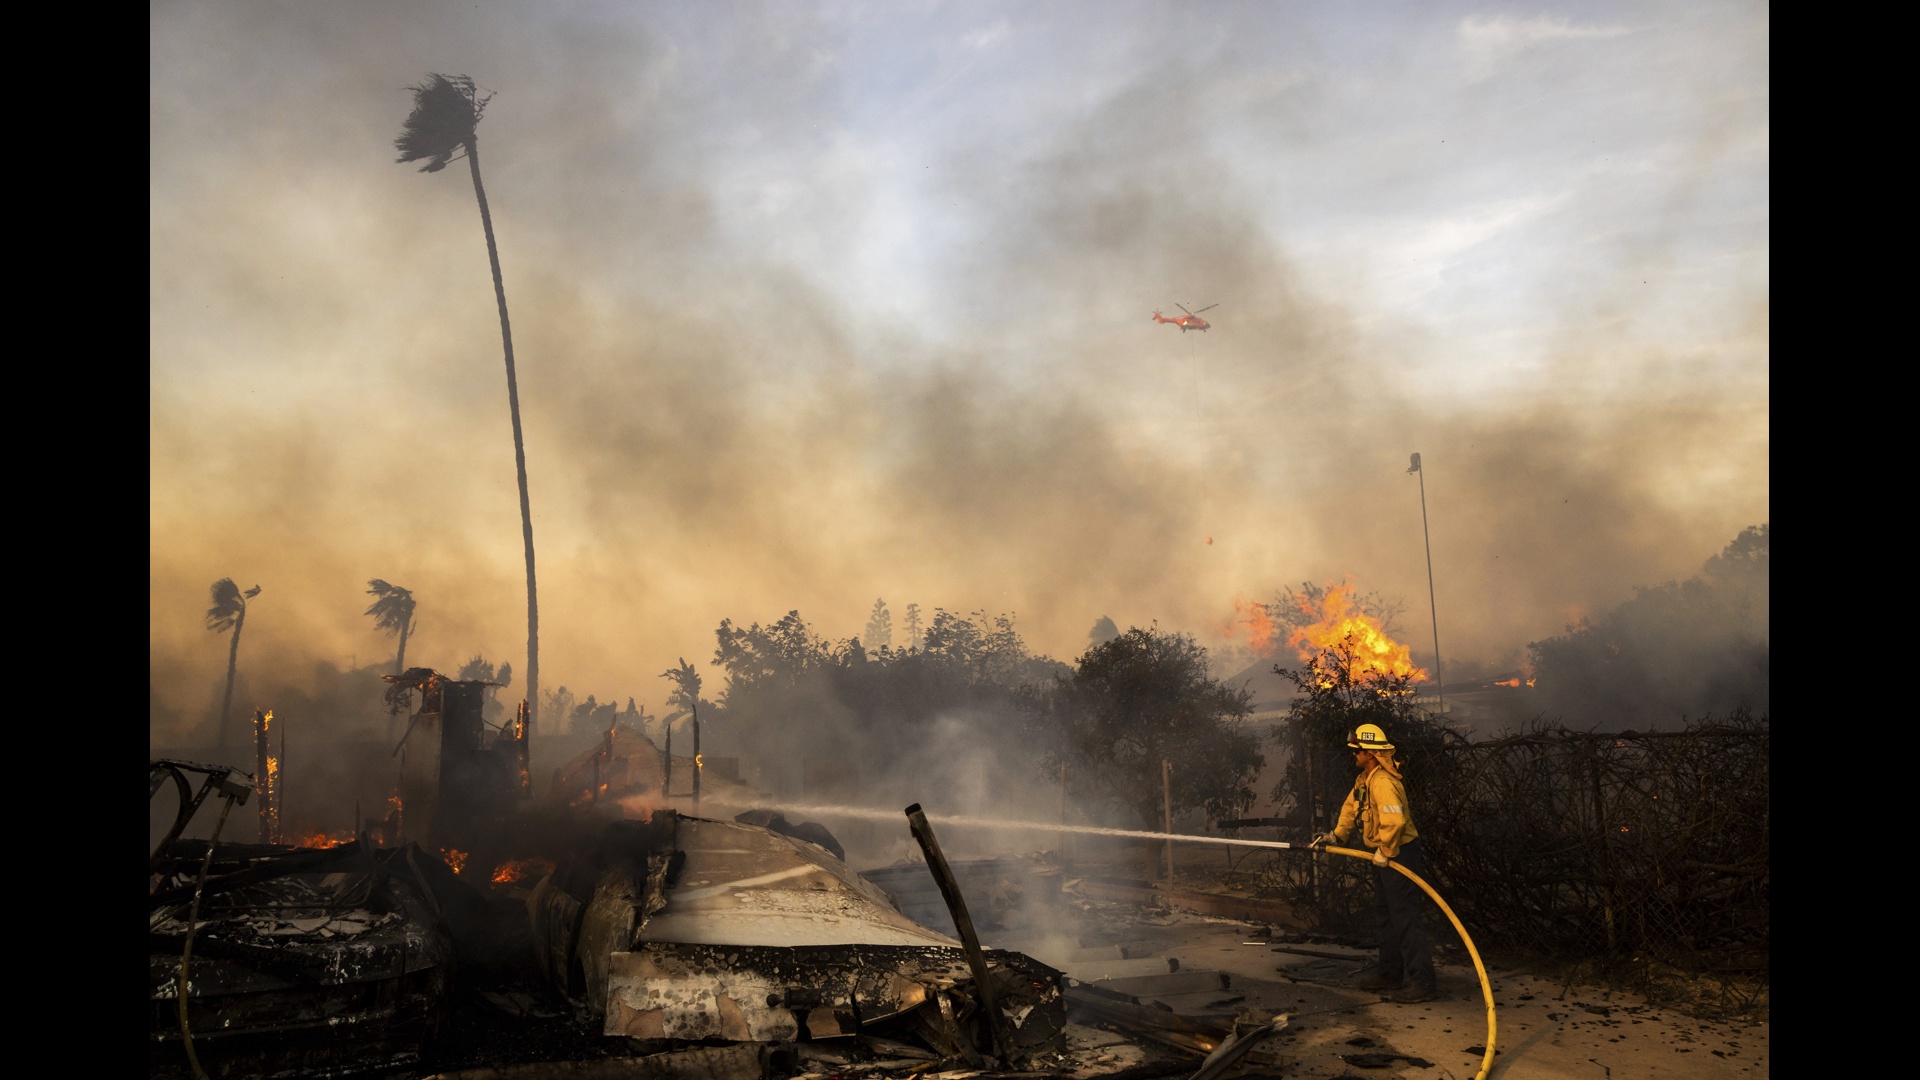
1322, 840
1379, 857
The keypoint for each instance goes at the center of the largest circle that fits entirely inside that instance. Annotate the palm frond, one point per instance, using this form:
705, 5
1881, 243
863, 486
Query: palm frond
686, 680
445, 113
228, 605
393, 607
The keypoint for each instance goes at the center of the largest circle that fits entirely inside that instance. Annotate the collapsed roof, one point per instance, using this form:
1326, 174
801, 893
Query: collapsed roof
683, 929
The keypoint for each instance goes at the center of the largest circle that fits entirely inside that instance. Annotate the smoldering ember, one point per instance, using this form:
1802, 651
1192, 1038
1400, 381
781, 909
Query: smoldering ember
932, 541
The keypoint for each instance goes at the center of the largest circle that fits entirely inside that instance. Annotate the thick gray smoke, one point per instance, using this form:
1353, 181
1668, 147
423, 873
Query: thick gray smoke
814, 306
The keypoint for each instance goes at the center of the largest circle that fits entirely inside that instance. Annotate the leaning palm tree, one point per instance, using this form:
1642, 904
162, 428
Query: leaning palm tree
446, 112
229, 612
686, 695
392, 611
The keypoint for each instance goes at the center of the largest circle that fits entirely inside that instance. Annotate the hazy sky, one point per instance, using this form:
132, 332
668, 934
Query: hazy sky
815, 304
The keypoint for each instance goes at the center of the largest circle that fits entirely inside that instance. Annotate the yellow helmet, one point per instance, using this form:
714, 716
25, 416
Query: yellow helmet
1368, 737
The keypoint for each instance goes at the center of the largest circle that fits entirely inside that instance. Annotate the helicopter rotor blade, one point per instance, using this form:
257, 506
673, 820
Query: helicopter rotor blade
1209, 307
1183, 307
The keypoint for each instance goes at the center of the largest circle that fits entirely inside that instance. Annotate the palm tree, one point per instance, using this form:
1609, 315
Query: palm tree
686, 695
229, 612
446, 112
392, 611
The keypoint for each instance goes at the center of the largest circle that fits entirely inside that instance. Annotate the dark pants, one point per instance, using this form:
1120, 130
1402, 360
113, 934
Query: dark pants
1404, 952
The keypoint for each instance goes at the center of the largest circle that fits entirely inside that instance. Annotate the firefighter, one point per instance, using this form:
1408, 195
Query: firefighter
1378, 805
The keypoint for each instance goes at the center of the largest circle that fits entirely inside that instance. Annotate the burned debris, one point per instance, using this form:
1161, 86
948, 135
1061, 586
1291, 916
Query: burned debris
295, 962
680, 946
303, 970
684, 929
476, 931
458, 776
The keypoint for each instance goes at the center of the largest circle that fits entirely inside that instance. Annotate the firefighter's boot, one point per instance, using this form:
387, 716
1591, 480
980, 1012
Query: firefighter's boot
1412, 992
1373, 978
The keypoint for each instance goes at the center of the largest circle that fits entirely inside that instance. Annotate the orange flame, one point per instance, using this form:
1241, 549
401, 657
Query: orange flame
455, 858
520, 870
270, 803
320, 840
1252, 615
1339, 624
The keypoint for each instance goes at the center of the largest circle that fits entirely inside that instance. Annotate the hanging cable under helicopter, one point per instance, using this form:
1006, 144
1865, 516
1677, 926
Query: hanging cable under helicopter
1192, 321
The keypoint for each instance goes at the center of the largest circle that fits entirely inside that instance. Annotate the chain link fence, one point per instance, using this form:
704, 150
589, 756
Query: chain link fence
1641, 852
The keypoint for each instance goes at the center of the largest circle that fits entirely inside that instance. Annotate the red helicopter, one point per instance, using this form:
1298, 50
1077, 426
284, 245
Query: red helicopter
1190, 321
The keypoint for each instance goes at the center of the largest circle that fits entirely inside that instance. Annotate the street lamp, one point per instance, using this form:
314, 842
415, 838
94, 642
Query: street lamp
1439, 679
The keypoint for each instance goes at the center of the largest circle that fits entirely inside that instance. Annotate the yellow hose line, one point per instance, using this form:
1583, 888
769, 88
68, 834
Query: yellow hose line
1486, 987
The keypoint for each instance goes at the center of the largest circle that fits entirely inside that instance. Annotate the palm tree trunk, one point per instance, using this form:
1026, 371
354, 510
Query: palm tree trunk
400, 658
233, 662
519, 445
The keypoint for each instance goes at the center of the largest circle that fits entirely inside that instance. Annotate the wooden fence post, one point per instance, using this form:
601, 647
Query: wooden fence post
1166, 796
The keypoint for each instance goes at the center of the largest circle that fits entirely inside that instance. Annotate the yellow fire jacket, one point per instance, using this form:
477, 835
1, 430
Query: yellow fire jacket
1378, 802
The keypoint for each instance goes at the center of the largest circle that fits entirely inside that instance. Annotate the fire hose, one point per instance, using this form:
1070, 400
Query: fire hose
1486, 986
234, 787
193, 916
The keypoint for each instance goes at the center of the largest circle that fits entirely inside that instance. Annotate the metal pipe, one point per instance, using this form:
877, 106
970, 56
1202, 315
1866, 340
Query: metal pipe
234, 794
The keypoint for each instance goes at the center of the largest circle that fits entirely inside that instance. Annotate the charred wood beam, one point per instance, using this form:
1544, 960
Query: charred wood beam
969, 940
1238, 1045
1089, 1004
296, 862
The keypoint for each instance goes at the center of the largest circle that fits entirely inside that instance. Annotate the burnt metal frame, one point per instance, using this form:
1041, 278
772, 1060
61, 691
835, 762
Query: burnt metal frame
218, 778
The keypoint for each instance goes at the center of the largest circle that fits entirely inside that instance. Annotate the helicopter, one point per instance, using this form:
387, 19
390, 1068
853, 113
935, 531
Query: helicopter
1190, 321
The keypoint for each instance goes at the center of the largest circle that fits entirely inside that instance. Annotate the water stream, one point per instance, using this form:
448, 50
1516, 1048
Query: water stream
865, 813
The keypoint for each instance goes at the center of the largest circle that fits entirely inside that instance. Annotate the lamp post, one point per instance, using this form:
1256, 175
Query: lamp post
1439, 678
